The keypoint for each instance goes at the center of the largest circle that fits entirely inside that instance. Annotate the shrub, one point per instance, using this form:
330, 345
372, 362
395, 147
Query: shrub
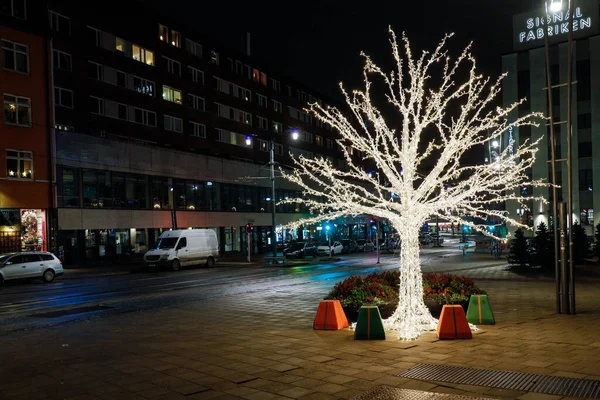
448, 288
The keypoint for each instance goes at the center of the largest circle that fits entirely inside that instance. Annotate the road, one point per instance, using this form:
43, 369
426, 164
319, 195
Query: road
31, 304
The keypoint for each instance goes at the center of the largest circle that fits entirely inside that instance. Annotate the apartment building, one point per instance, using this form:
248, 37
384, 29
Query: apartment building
27, 219
151, 125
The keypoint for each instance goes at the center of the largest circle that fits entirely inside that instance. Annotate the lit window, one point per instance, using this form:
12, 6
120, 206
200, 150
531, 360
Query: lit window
277, 127
143, 86
142, 55
172, 95
13, 8
163, 33
214, 57
63, 97
255, 75
62, 60
277, 106
59, 23
319, 140
175, 38
120, 44
263, 78
15, 57
17, 110
173, 124
19, 164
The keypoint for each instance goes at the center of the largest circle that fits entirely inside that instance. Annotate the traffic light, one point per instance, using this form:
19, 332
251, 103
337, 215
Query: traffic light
249, 228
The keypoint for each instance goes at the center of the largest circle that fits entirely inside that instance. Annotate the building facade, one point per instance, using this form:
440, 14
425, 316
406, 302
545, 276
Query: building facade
156, 126
26, 188
526, 77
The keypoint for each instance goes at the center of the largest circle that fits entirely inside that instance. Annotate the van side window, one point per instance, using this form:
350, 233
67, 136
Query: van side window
182, 243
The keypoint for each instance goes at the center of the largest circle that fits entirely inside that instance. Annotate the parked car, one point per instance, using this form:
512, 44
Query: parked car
300, 250
365, 245
425, 238
350, 246
436, 239
390, 245
32, 264
336, 248
184, 247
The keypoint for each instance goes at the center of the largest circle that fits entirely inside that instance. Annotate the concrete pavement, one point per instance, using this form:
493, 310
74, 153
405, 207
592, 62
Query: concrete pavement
262, 346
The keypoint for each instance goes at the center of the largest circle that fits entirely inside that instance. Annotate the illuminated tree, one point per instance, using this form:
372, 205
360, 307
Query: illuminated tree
414, 178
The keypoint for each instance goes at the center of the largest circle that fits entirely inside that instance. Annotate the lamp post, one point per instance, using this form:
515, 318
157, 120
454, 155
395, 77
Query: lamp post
328, 229
294, 135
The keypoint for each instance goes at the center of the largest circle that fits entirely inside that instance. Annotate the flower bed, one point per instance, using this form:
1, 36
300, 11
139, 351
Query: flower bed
381, 289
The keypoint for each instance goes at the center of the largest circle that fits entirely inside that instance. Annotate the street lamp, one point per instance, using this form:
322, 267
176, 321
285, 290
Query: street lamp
555, 6
272, 178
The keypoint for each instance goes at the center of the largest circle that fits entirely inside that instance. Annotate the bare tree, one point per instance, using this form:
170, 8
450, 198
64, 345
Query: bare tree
412, 179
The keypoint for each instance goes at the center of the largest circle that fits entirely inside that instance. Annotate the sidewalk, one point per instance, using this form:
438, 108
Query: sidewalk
261, 345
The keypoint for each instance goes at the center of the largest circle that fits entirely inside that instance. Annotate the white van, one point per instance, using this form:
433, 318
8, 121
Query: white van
184, 247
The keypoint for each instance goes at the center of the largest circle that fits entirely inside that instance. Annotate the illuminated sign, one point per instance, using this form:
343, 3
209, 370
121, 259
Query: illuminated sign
529, 28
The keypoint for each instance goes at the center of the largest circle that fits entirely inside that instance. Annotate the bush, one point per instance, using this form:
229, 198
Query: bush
383, 287
448, 288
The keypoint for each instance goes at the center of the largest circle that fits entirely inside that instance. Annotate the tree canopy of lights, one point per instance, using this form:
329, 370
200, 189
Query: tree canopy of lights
404, 177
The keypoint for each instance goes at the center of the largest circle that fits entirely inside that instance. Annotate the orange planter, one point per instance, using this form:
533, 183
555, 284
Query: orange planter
330, 315
453, 323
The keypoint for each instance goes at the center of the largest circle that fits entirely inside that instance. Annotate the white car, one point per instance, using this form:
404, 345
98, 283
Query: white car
336, 248
34, 264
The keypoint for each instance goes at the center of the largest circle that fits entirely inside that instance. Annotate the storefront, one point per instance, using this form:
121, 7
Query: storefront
22, 230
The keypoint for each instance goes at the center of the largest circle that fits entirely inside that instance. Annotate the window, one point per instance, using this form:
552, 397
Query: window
584, 121
142, 55
263, 79
329, 143
60, 23
586, 179
276, 85
143, 86
263, 145
242, 93
144, 117
234, 138
263, 123
198, 130
121, 79
17, 110
584, 149
278, 149
96, 105
234, 114
277, 106
120, 44
300, 115
19, 164
173, 67
173, 124
193, 48
172, 95
122, 111
15, 56
262, 100
277, 127
175, 38
14, 8
289, 91
163, 33
255, 75
196, 102
196, 75
63, 97
62, 60
95, 36
95, 71
319, 140
214, 57
239, 67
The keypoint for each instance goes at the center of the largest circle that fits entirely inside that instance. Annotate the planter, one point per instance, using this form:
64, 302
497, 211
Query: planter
386, 310
435, 308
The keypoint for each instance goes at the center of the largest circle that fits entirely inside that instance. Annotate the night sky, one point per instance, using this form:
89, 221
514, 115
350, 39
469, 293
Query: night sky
318, 42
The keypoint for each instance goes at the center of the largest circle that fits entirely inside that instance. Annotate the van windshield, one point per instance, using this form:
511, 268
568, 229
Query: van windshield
166, 243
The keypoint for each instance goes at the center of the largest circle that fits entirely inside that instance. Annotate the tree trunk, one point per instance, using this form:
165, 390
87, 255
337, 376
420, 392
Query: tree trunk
412, 317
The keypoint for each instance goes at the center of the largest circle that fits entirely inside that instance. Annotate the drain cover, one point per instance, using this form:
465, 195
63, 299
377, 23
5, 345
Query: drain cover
547, 384
392, 393
71, 311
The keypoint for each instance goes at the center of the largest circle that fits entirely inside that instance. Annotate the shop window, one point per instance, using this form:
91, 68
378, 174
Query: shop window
19, 164
68, 187
160, 193
33, 230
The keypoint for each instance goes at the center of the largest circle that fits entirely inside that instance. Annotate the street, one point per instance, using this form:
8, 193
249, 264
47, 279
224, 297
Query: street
30, 304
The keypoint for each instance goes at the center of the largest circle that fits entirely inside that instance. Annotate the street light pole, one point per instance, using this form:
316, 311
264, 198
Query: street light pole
273, 226
571, 287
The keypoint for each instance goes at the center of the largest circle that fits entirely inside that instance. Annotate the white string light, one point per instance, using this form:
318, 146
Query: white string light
403, 190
